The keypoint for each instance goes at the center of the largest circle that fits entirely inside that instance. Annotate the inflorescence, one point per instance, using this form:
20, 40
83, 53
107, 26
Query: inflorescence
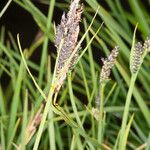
137, 55
67, 35
108, 63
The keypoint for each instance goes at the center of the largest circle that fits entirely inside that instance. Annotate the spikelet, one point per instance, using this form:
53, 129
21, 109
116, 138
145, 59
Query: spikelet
147, 44
68, 31
136, 57
108, 63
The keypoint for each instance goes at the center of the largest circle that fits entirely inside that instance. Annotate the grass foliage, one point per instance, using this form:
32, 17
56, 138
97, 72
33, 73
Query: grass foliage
33, 117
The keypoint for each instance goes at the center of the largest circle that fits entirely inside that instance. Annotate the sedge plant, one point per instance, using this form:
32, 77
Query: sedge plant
138, 53
55, 107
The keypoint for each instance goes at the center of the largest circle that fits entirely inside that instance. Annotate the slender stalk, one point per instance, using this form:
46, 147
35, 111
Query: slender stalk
5, 8
51, 125
73, 101
101, 92
101, 109
24, 121
51, 130
126, 109
46, 109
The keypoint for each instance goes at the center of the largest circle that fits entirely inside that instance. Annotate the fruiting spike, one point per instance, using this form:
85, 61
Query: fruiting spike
108, 63
68, 32
136, 58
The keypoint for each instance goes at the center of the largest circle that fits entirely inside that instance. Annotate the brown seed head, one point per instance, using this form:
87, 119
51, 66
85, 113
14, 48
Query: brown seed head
136, 57
108, 63
68, 31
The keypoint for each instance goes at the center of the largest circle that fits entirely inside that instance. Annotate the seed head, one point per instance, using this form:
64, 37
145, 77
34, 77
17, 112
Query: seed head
68, 32
33, 125
136, 57
108, 63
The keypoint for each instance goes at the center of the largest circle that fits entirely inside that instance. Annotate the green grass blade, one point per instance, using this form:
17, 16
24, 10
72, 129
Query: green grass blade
73, 101
2, 136
45, 44
2, 103
135, 6
91, 59
148, 143
15, 100
24, 121
13, 132
125, 136
5, 8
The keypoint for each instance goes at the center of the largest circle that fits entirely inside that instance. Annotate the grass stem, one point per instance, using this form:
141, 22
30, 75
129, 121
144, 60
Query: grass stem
126, 109
101, 111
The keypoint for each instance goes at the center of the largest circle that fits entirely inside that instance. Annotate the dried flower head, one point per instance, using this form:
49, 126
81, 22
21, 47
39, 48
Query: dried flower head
108, 63
67, 32
33, 125
136, 57
147, 44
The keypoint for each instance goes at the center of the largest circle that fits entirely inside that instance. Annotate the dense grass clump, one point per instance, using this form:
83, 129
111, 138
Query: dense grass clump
91, 92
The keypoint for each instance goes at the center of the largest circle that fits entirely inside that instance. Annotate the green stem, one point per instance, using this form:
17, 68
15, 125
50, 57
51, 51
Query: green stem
5, 8
73, 101
100, 123
101, 100
126, 109
46, 109
51, 130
